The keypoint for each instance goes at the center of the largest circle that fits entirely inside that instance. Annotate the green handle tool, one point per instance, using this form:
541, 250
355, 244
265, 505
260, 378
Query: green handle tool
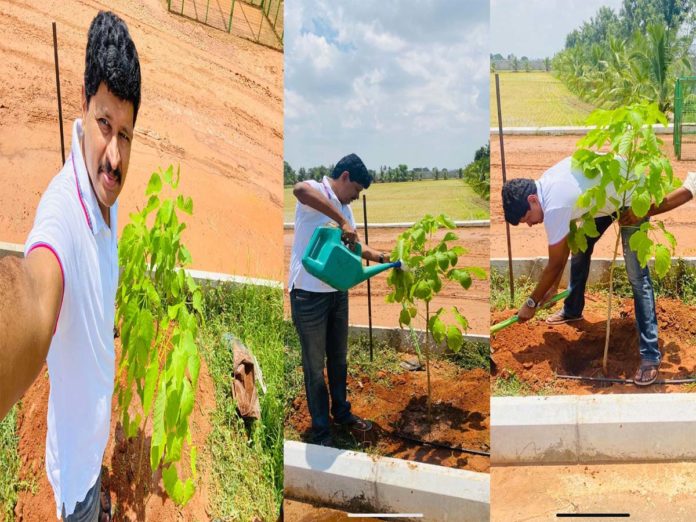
507, 322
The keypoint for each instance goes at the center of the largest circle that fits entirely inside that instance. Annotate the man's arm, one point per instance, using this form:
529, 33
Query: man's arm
372, 254
31, 291
306, 195
550, 277
674, 199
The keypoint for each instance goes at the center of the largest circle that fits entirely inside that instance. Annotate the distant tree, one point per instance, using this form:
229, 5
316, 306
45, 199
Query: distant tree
525, 64
302, 174
436, 173
289, 176
515, 64
547, 64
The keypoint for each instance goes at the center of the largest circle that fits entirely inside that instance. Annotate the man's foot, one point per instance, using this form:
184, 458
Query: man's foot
646, 373
560, 318
355, 423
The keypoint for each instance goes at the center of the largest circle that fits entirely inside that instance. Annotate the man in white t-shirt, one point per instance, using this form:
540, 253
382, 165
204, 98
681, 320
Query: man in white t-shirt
320, 312
552, 200
58, 303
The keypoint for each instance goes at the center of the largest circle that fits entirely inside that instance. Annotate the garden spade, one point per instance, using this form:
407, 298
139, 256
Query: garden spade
512, 320
332, 262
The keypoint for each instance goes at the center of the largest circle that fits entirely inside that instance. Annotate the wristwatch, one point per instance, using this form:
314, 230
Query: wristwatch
531, 303
381, 257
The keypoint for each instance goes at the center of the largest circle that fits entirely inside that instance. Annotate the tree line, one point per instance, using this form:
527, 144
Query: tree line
385, 173
636, 54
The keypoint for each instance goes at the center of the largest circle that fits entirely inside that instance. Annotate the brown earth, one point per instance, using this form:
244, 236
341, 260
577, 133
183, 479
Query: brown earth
397, 404
472, 303
646, 491
530, 156
298, 511
134, 496
536, 352
211, 102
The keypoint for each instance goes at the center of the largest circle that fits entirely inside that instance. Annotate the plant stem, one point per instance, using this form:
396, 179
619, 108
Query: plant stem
611, 294
427, 356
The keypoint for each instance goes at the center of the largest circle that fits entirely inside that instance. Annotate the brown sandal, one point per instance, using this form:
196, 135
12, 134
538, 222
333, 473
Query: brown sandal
560, 318
646, 374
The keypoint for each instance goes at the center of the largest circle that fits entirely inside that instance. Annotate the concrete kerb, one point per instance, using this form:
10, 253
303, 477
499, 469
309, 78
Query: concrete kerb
359, 482
579, 130
473, 223
402, 340
200, 276
533, 266
584, 429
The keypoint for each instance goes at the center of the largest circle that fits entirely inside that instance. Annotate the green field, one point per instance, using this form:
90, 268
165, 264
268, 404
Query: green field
409, 201
535, 99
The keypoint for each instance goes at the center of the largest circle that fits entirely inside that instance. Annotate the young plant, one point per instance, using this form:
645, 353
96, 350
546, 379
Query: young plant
159, 308
624, 153
429, 265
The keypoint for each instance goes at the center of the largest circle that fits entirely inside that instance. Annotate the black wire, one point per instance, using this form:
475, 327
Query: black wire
623, 381
437, 444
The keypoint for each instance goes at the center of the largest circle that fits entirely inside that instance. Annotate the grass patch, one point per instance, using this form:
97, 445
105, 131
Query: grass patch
10, 485
535, 99
500, 290
510, 385
247, 458
410, 200
471, 355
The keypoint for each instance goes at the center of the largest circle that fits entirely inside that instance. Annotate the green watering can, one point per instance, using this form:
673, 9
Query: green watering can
330, 261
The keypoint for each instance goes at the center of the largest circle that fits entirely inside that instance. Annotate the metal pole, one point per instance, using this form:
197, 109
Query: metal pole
369, 290
229, 27
60, 106
502, 160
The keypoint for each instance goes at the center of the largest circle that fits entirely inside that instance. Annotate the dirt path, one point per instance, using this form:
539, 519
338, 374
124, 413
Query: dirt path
397, 404
211, 102
135, 497
530, 156
647, 491
536, 352
473, 303
298, 511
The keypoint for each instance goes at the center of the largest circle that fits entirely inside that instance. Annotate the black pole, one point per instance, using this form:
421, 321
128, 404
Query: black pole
60, 106
502, 160
369, 291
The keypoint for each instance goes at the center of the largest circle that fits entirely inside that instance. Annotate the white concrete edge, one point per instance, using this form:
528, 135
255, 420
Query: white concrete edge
200, 276
533, 266
571, 130
472, 223
579, 429
359, 482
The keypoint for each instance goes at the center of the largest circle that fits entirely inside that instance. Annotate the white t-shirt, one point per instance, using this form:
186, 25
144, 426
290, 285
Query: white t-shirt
81, 356
306, 221
558, 190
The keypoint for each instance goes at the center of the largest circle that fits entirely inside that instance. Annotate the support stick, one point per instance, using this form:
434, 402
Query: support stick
502, 160
60, 106
369, 291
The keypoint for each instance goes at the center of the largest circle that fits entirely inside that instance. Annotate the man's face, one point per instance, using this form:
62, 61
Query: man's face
107, 135
535, 214
348, 191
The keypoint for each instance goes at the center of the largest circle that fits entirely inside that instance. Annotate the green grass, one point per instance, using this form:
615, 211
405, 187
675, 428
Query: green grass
535, 99
247, 458
10, 485
411, 200
510, 386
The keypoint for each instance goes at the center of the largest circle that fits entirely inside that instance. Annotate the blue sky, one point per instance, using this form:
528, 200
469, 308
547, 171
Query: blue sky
395, 81
537, 28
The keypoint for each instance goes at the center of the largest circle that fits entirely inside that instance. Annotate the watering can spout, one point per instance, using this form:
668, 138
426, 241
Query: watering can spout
373, 270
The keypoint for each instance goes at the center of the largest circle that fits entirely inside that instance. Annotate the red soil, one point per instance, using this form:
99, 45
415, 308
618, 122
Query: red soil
211, 102
473, 303
537, 352
133, 496
530, 156
397, 403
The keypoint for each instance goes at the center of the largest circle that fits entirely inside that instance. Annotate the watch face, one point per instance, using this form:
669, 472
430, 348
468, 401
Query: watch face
530, 303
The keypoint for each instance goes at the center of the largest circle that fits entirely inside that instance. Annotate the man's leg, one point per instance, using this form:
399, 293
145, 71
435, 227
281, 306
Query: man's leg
310, 316
88, 509
336, 356
643, 301
580, 271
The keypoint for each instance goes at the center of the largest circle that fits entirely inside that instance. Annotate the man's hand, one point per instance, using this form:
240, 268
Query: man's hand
549, 295
348, 233
628, 218
526, 313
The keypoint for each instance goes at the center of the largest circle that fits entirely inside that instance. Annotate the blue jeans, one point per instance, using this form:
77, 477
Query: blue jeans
643, 296
89, 508
321, 320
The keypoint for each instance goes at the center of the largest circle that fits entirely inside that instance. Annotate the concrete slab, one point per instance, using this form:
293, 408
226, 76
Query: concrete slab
359, 482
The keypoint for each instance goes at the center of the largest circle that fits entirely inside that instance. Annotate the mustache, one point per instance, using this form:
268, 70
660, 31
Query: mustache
108, 169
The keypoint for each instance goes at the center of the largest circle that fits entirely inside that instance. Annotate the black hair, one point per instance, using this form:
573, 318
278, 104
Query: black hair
515, 194
112, 58
356, 170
